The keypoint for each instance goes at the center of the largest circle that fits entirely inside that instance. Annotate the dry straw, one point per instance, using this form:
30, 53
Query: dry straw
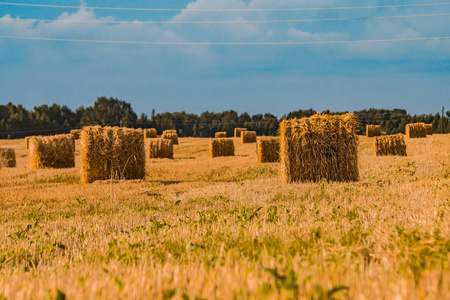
416, 130
429, 128
319, 147
390, 145
373, 130
160, 148
268, 149
75, 133
150, 133
383, 133
7, 158
220, 134
221, 147
112, 152
56, 151
27, 141
238, 132
170, 134
248, 137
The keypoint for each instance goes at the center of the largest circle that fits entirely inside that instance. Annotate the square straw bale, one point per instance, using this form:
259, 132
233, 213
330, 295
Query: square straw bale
390, 145
238, 131
160, 148
170, 134
373, 130
416, 130
150, 133
75, 133
268, 149
7, 158
319, 147
248, 136
429, 128
383, 133
112, 152
220, 134
56, 151
221, 147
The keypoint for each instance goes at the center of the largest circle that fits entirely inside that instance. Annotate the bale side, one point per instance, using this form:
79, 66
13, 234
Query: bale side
111, 152
76, 133
220, 134
170, 134
268, 149
160, 148
416, 130
150, 133
429, 128
321, 146
248, 136
238, 132
390, 145
7, 158
221, 147
56, 151
373, 130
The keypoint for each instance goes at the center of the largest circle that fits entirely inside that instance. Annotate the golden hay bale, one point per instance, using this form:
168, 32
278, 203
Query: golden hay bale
416, 130
170, 134
383, 133
7, 158
56, 151
75, 133
373, 130
248, 137
268, 149
390, 145
429, 128
112, 152
220, 134
321, 146
160, 148
221, 147
238, 131
150, 133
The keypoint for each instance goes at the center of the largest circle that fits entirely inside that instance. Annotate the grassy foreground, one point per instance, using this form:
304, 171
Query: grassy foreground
203, 228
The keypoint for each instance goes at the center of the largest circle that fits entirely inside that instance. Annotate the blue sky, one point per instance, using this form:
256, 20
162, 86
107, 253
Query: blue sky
412, 75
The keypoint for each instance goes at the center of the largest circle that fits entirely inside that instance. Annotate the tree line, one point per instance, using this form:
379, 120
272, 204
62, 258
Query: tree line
18, 122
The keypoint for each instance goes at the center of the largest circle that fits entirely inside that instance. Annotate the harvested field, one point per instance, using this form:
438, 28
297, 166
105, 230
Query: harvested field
227, 228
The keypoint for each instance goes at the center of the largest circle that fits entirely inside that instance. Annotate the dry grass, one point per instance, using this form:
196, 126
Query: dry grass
228, 228
373, 130
221, 147
111, 152
268, 149
390, 145
160, 148
319, 147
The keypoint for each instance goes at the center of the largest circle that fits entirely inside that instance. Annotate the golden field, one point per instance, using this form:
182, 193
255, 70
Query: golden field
227, 228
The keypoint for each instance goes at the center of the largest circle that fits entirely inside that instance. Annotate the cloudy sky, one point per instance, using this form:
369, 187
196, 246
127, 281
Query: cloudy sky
414, 75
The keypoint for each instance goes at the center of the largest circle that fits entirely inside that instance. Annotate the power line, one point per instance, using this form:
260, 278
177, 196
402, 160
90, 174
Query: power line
225, 22
222, 44
222, 9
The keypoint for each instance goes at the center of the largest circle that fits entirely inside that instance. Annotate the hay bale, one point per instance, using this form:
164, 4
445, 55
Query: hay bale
416, 130
373, 130
170, 134
150, 133
383, 133
248, 136
221, 147
7, 158
390, 145
56, 151
321, 146
220, 134
268, 149
112, 152
238, 132
429, 128
160, 148
75, 133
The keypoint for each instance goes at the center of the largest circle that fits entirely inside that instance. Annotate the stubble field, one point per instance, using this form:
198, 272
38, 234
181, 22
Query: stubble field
224, 228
